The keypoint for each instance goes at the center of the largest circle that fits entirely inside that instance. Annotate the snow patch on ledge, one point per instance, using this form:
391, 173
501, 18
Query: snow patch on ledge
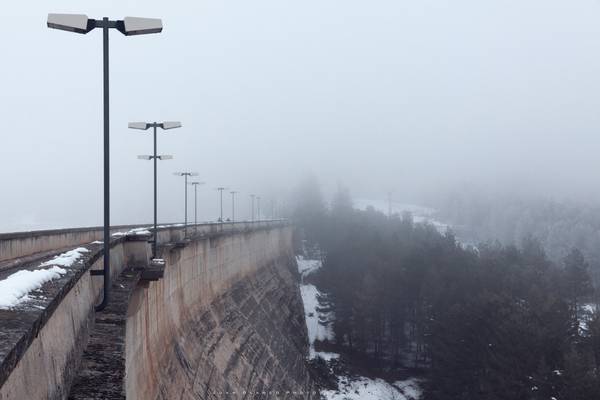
66, 259
139, 231
16, 288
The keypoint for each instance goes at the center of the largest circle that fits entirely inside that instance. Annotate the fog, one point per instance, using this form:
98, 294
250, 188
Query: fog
414, 97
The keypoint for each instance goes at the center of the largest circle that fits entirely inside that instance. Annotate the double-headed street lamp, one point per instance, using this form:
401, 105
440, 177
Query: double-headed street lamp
129, 26
220, 189
145, 126
195, 185
185, 175
233, 193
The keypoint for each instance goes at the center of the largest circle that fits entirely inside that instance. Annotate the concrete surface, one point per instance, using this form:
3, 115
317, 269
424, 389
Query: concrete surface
225, 321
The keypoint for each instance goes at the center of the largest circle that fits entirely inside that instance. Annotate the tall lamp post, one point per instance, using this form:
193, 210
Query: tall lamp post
185, 175
252, 196
129, 26
272, 209
233, 193
220, 189
195, 185
145, 126
258, 207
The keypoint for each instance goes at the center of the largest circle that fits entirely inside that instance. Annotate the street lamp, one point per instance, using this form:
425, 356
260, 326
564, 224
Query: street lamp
252, 196
272, 209
258, 207
145, 126
195, 185
185, 175
233, 193
220, 189
129, 26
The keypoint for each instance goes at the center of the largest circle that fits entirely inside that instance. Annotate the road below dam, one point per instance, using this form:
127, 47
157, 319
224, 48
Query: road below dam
222, 320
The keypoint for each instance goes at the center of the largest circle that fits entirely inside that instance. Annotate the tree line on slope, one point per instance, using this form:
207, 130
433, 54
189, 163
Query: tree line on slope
499, 322
559, 226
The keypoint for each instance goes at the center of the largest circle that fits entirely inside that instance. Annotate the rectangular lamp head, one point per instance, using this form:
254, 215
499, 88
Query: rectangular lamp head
165, 157
140, 26
171, 124
138, 125
185, 173
145, 157
78, 23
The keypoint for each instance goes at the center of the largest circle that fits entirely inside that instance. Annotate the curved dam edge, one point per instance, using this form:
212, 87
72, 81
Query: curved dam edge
42, 342
225, 322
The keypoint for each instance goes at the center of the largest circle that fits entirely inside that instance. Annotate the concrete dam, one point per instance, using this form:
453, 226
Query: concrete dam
220, 317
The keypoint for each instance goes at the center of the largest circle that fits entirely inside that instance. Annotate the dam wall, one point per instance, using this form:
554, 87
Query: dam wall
225, 320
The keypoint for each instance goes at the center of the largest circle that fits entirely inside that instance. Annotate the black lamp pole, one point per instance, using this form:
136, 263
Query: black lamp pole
155, 157
185, 175
195, 184
79, 23
220, 189
258, 207
233, 193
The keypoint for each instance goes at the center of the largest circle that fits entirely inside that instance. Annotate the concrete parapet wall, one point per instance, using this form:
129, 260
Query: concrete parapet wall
48, 343
20, 244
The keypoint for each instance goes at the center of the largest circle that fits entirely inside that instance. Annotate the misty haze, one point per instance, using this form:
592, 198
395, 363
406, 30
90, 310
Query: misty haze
300, 200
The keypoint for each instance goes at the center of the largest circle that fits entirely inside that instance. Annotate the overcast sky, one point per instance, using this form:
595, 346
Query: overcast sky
410, 96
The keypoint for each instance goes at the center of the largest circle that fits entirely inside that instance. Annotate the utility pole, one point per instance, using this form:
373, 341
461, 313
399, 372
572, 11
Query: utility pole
252, 196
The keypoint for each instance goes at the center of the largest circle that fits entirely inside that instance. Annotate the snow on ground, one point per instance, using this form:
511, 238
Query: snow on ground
66, 259
15, 289
318, 324
410, 388
307, 267
586, 312
373, 389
